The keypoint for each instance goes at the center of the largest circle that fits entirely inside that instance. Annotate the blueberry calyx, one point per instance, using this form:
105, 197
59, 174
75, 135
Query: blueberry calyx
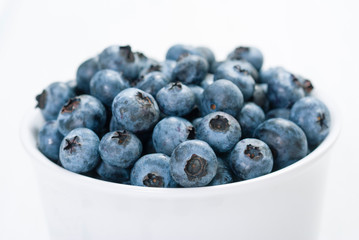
253, 152
154, 68
191, 133
175, 84
321, 121
153, 180
143, 99
41, 99
122, 136
141, 55
71, 105
296, 80
127, 53
196, 167
240, 70
219, 124
240, 50
183, 55
71, 144
307, 86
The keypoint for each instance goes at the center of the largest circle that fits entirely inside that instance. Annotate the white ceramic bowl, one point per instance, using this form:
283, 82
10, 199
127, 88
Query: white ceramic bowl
282, 205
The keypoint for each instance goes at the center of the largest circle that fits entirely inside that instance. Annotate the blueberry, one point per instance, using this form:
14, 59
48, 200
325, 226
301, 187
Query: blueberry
152, 82
111, 173
84, 74
207, 54
52, 98
79, 150
222, 95
251, 158
313, 117
249, 118
220, 130
122, 59
170, 132
260, 96
49, 140
278, 113
82, 111
105, 85
193, 164
306, 84
198, 91
136, 110
176, 51
224, 174
190, 69
250, 54
236, 73
152, 170
176, 99
208, 80
265, 76
286, 140
284, 90
120, 148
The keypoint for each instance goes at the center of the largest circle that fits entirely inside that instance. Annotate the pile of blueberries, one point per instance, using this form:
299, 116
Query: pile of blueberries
189, 121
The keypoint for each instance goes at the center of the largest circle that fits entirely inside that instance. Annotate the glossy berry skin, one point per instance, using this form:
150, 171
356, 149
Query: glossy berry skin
152, 170
284, 90
313, 116
190, 69
239, 75
120, 148
170, 132
105, 85
52, 98
193, 164
220, 130
176, 99
79, 150
122, 59
198, 91
111, 173
207, 54
83, 111
84, 74
251, 158
224, 174
208, 80
286, 140
222, 95
49, 140
278, 113
153, 82
178, 50
249, 118
250, 54
136, 110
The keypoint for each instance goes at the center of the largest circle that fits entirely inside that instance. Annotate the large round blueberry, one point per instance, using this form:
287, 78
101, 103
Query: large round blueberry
250, 54
170, 132
224, 174
120, 148
222, 95
220, 130
111, 173
193, 164
82, 111
79, 150
49, 140
84, 74
313, 117
249, 118
152, 170
284, 90
105, 85
190, 69
136, 110
251, 158
176, 99
52, 98
286, 140
152, 82
236, 72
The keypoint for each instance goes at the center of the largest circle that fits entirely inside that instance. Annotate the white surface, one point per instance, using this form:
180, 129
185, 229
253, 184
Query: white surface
43, 41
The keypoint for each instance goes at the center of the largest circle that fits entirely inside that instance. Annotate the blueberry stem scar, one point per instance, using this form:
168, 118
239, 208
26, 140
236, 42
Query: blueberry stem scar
175, 84
253, 152
122, 136
196, 167
71, 144
219, 124
41, 99
153, 180
239, 69
71, 105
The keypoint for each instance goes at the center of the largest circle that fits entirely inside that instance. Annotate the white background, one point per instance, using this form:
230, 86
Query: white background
45, 41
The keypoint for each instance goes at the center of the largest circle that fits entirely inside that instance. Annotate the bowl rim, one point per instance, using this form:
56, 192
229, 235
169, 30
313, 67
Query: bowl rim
28, 140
